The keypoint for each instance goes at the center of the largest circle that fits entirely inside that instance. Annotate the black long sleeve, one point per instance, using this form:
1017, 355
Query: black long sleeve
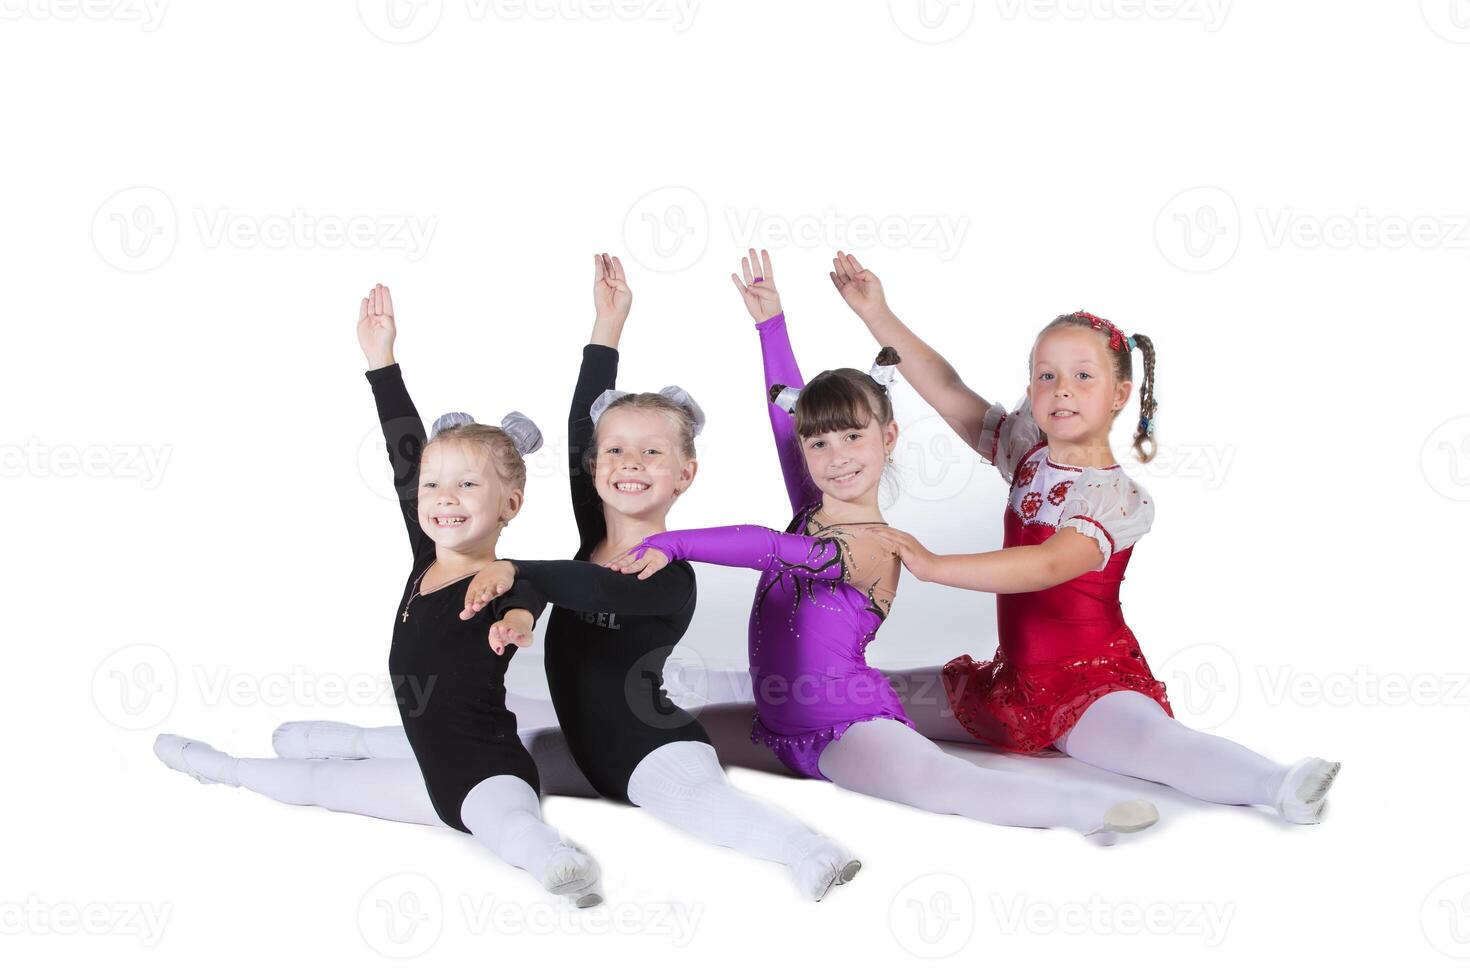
584, 586
598, 373
404, 433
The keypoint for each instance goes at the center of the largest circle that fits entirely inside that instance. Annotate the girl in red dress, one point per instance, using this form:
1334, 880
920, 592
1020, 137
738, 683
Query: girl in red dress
1068, 673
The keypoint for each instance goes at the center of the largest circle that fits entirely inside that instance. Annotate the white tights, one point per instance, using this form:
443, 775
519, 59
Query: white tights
1123, 732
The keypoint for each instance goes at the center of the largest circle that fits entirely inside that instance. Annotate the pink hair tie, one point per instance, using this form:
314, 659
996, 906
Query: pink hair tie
1115, 336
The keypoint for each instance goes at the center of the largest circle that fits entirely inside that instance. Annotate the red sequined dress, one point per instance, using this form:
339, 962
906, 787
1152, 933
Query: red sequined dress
1064, 647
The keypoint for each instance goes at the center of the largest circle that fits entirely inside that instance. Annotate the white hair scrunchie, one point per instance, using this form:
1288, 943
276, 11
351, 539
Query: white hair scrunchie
524, 434
672, 392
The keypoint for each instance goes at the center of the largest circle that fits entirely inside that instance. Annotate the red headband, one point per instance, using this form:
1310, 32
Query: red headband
1115, 336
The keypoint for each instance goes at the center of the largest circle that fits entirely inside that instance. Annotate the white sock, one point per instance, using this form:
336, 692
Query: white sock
682, 784
504, 814
1303, 793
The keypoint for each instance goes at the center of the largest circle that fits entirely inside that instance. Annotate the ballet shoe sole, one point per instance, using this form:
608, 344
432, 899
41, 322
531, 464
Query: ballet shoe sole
1130, 818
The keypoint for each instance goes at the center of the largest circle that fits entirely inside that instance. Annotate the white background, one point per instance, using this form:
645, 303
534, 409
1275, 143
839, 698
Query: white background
200, 538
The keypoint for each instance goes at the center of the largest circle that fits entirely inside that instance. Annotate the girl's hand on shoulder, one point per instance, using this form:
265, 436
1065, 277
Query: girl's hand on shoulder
494, 579
375, 328
919, 560
758, 287
652, 561
517, 627
610, 293
859, 287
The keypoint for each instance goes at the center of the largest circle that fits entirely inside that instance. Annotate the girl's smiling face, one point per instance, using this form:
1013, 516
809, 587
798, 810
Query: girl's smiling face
847, 464
462, 499
1074, 395
640, 467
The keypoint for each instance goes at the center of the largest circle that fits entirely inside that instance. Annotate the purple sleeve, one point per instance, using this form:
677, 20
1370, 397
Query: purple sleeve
752, 546
781, 369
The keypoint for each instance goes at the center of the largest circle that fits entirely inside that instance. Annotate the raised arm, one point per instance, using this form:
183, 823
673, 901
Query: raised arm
936, 381
758, 290
599, 372
584, 586
403, 431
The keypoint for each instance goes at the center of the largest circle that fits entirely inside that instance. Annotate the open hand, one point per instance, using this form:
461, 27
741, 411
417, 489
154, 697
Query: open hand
652, 561
759, 286
919, 560
858, 286
610, 293
375, 329
510, 630
494, 579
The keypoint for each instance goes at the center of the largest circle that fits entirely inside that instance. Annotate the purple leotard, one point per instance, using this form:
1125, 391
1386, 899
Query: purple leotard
809, 627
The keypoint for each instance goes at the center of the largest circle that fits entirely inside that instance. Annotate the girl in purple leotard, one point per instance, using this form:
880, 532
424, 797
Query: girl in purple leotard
826, 586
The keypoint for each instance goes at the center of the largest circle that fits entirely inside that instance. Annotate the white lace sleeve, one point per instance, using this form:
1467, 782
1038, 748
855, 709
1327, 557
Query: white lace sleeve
1110, 508
1006, 436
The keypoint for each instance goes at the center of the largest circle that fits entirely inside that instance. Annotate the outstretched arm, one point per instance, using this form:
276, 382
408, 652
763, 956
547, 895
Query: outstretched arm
1020, 568
587, 587
846, 556
403, 431
762, 300
936, 381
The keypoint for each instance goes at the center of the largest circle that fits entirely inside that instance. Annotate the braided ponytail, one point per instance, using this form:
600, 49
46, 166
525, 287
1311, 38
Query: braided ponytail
1144, 447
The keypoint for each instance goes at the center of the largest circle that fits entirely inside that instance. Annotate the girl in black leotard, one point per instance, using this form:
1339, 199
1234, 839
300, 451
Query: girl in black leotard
457, 491
630, 456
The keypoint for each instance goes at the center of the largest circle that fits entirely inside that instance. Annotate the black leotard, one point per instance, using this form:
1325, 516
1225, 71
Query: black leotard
449, 684
609, 634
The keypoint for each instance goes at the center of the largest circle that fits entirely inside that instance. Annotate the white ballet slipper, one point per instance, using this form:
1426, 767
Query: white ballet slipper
1303, 794
206, 763
1128, 817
